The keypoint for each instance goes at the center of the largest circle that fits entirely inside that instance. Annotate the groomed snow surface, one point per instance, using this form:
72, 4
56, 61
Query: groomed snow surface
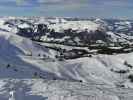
29, 71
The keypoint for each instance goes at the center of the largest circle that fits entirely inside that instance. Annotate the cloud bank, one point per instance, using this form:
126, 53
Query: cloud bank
81, 8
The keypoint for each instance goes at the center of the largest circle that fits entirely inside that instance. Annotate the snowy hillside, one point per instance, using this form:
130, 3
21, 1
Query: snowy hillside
74, 25
59, 59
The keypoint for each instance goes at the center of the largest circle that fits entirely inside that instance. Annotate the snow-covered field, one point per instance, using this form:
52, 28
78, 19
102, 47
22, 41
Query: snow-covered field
32, 70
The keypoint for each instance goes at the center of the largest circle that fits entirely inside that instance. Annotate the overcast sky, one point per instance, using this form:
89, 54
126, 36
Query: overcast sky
68, 8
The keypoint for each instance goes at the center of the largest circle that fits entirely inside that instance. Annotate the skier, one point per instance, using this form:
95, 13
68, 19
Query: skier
11, 95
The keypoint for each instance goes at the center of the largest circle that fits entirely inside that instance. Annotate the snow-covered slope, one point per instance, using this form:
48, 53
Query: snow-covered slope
31, 70
75, 25
13, 48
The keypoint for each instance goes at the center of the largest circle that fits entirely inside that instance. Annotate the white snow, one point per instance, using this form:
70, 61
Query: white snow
23, 25
75, 25
21, 70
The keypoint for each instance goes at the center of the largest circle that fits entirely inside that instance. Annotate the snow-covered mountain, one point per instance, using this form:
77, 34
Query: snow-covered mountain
61, 59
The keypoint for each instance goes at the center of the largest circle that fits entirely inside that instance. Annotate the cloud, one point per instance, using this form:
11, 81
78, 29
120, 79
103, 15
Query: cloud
61, 1
63, 4
114, 3
69, 7
50, 1
43, 3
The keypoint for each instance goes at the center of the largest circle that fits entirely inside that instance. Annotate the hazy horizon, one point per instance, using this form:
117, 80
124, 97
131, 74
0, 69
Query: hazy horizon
68, 8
